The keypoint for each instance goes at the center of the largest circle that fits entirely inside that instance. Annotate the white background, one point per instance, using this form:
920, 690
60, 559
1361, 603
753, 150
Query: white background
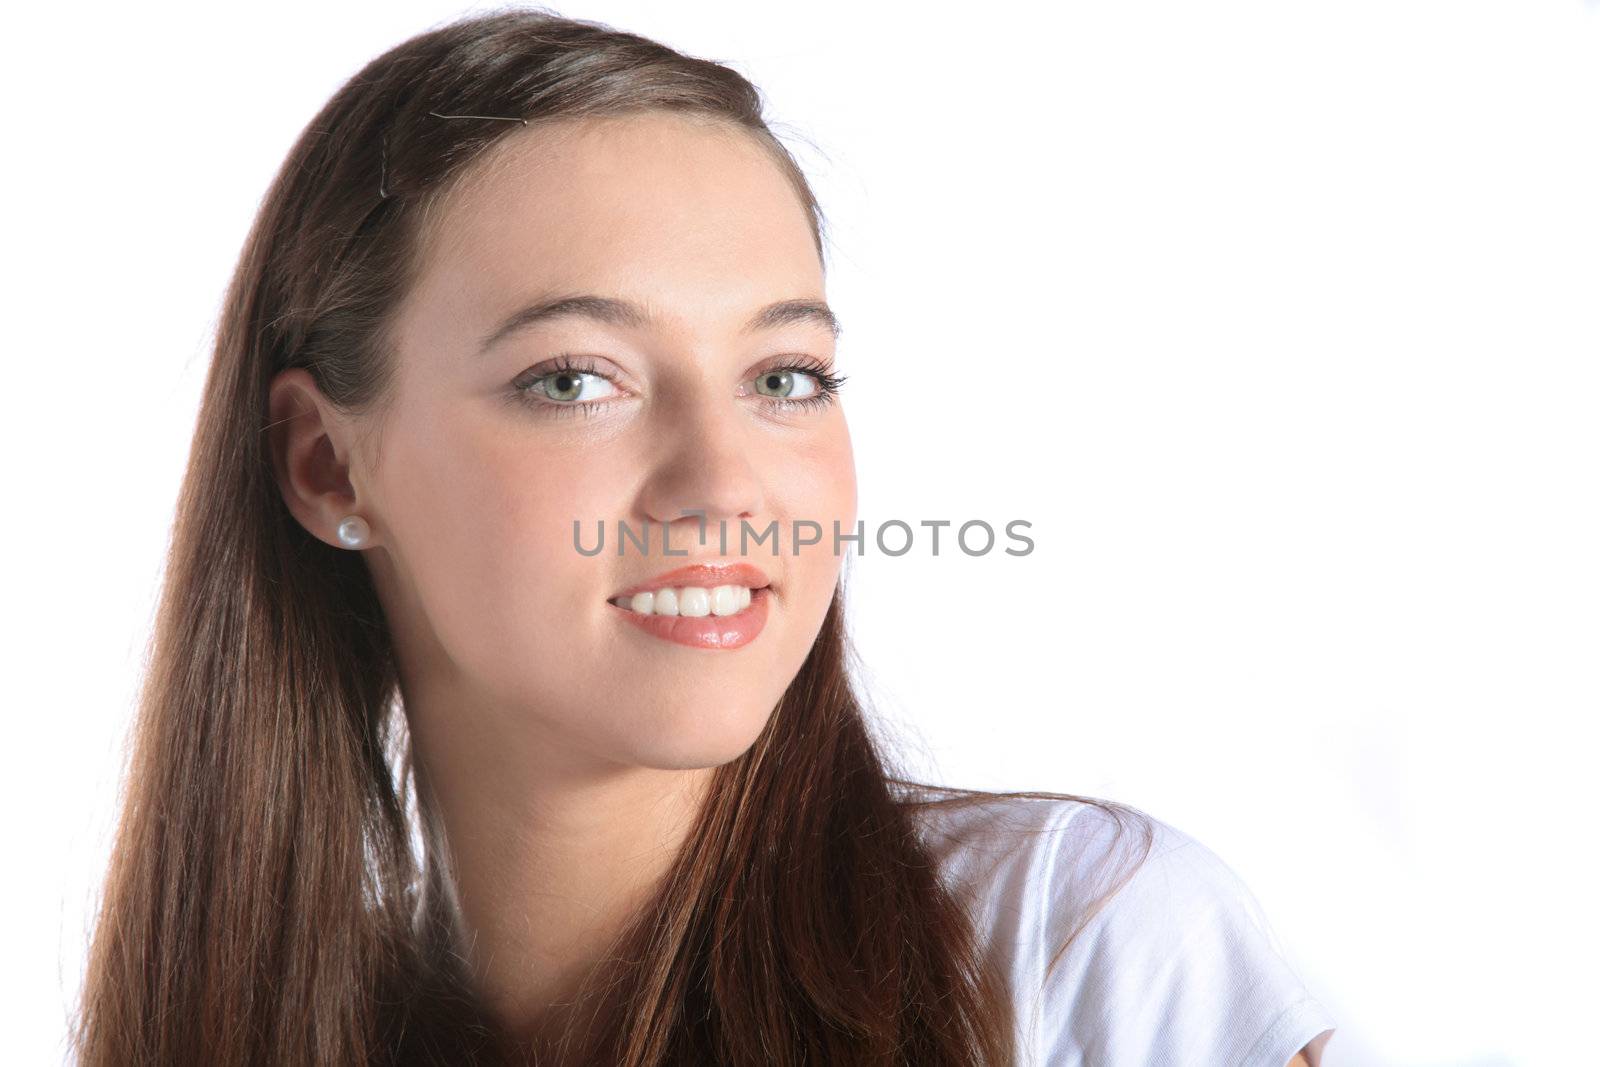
1277, 320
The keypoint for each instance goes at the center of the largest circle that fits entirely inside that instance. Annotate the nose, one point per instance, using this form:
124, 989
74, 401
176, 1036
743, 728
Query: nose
703, 473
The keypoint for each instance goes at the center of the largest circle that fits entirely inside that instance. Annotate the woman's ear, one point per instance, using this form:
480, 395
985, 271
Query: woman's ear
310, 447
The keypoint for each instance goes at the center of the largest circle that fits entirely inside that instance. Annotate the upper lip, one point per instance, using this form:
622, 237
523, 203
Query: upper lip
707, 575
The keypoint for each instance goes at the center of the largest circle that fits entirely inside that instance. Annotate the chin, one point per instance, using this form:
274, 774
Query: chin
698, 736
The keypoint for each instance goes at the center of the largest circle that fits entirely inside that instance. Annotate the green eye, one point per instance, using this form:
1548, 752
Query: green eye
566, 386
782, 383
558, 386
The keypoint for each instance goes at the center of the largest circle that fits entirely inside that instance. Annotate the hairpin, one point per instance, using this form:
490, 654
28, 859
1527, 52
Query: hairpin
501, 118
383, 150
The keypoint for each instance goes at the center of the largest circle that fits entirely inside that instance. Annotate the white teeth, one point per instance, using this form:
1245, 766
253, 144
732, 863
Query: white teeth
694, 601
725, 599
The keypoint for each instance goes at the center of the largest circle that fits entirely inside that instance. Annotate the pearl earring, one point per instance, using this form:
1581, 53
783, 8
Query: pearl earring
354, 531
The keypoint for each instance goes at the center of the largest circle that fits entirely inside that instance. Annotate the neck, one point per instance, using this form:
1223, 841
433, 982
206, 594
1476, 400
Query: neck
548, 872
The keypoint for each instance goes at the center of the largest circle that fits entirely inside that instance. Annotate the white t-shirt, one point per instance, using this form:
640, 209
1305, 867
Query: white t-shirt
1177, 969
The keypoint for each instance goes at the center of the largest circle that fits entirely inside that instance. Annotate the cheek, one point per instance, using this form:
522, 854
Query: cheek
484, 515
819, 483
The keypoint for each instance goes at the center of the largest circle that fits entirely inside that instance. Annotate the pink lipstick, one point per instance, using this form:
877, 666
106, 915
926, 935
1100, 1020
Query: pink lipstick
704, 605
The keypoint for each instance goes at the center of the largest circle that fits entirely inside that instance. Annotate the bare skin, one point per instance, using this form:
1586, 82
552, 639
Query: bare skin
569, 752
1311, 1054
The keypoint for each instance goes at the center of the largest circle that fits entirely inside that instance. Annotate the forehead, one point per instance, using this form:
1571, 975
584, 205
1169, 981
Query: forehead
695, 219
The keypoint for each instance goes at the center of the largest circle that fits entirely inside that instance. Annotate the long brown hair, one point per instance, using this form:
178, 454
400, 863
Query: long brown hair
277, 891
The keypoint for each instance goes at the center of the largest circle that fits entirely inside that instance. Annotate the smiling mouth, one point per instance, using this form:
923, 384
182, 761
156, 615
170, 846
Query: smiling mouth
719, 617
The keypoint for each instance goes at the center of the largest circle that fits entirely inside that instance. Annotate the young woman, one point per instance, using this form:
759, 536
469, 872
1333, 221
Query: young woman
420, 778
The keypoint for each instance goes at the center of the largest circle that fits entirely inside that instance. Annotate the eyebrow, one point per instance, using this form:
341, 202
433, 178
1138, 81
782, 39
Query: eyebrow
615, 312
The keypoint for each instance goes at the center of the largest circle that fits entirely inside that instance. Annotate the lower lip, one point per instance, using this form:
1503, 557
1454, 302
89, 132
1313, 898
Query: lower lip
706, 631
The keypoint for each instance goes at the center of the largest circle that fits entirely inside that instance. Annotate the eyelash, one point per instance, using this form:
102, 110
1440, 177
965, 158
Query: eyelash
827, 386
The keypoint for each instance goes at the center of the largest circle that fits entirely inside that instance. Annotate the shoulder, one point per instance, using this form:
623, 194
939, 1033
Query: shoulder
1125, 939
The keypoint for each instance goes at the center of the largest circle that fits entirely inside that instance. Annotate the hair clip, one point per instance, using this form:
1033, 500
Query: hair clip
502, 118
383, 149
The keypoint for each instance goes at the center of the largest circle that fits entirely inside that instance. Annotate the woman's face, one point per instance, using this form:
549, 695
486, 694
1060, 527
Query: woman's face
508, 638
